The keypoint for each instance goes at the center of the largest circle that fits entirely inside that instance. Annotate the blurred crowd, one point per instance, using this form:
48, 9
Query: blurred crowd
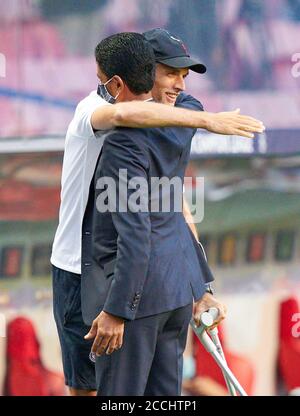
248, 47
244, 43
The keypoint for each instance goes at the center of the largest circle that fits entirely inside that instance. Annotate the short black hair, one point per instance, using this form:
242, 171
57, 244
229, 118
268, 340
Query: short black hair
130, 56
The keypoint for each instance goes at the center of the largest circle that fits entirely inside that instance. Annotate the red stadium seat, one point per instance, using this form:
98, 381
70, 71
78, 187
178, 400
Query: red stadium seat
25, 373
289, 344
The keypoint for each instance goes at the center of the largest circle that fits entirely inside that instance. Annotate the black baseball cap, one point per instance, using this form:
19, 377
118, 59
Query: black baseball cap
171, 51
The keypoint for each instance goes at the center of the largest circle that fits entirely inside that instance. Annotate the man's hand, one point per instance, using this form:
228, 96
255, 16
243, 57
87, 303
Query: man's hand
208, 301
231, 122
108, 333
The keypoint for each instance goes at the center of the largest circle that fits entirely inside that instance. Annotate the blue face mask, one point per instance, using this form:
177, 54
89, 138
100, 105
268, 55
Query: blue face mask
103, 92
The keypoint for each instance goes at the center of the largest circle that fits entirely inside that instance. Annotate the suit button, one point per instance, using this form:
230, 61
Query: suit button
87, 233
87, 264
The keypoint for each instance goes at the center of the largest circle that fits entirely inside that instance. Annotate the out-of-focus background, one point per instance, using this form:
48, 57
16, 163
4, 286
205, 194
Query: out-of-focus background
251, 226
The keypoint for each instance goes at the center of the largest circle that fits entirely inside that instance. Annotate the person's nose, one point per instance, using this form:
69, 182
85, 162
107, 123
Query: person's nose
179, 83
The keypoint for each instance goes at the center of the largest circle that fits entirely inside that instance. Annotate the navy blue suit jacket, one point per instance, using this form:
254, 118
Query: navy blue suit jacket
137, 264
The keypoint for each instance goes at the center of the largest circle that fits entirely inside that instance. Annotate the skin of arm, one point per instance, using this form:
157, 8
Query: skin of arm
149, 114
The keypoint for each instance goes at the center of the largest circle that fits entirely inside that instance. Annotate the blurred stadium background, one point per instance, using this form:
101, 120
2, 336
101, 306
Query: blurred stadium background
251, 227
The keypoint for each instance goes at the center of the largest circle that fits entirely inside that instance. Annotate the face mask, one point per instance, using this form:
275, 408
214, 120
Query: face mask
103, 92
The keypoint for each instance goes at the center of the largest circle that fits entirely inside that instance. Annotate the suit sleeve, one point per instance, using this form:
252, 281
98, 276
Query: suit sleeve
120, 151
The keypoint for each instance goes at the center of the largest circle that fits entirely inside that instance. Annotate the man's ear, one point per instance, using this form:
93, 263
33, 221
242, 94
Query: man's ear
120, 85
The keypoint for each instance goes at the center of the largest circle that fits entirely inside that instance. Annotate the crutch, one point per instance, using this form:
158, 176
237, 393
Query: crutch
213, 345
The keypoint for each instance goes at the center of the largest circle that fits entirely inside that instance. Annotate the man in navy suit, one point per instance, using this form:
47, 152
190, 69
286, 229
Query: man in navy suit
141, 268
127, 65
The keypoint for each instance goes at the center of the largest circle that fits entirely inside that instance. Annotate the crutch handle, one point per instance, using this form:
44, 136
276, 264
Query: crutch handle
207, 318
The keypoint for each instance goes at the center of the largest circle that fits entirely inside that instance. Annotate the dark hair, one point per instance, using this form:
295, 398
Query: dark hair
130, 56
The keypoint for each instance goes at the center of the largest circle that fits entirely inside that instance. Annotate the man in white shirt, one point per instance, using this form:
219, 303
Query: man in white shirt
93, 116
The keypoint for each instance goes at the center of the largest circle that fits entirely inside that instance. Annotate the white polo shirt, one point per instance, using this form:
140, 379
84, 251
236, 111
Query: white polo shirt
82, 148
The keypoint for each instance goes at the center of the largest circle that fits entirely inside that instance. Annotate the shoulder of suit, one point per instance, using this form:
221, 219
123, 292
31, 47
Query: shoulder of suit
133, 137
187, 100
130, 142
130, 133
